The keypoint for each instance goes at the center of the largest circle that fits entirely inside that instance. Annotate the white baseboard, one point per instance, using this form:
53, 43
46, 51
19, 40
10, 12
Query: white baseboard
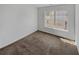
8, 43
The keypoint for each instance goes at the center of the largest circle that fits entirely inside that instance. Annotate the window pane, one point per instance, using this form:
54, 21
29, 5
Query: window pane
49, 19
61, 20
57, 20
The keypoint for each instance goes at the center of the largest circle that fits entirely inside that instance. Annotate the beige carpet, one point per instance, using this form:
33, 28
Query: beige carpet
40, 43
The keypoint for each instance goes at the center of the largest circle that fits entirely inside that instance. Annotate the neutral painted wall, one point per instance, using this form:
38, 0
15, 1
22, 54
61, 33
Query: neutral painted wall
70, 9
77, 24
16, 21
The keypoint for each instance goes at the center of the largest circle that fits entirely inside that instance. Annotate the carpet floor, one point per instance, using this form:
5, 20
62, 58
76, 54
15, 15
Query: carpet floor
40, 43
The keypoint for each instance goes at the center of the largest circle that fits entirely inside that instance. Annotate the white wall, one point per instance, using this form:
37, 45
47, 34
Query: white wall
16, 21
77, 24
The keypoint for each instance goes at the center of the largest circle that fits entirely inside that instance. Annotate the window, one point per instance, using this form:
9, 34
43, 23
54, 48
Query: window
49, 19
57, 20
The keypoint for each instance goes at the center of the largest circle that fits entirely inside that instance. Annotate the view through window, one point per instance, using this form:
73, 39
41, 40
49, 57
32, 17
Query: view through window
56, 19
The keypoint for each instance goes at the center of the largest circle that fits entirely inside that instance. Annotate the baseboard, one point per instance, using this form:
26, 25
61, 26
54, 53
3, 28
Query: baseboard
56, 35
9, 43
